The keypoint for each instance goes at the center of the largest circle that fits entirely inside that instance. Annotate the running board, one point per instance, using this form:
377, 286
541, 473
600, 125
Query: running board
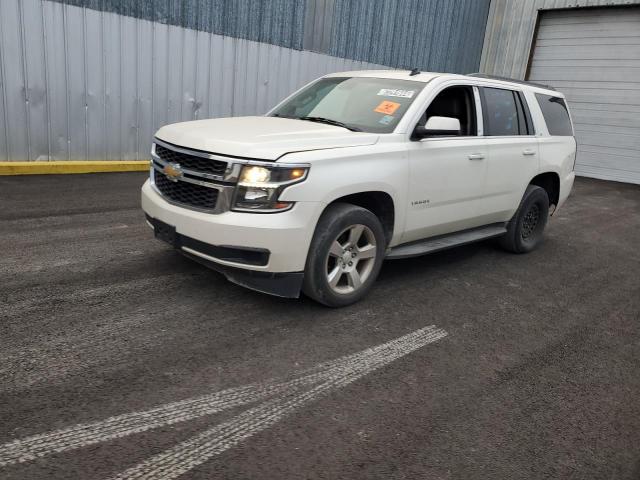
442, 242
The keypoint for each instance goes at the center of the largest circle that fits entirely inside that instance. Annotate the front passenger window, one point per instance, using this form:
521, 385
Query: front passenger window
455, 102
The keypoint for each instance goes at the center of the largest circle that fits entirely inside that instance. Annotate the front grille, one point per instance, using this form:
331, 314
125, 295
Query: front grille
186, 193
191, 162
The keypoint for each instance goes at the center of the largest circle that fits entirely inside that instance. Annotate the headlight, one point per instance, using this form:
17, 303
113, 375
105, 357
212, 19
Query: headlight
259, 187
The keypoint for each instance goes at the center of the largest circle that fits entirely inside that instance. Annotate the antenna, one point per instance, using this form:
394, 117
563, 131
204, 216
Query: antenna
413, 72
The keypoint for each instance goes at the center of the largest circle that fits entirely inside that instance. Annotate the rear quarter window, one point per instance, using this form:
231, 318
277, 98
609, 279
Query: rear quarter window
555, 114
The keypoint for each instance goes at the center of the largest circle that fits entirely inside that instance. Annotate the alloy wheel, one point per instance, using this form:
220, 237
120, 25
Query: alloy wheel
351, 259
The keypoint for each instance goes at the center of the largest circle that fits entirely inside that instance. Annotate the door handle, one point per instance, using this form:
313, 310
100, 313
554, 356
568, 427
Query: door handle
528, 151
476, 156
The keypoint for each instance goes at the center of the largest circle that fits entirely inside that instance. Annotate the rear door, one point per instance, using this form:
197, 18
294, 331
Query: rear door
513, 152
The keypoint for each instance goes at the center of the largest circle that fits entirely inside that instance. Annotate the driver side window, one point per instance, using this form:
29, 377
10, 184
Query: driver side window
456, 102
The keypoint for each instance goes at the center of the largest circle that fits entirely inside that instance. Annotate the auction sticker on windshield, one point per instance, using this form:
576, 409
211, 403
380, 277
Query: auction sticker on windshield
396, 92
387, 107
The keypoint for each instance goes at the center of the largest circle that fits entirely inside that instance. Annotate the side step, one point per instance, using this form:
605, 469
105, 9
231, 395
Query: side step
442, 242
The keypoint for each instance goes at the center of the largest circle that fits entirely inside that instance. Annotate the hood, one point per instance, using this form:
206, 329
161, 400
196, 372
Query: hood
266, 138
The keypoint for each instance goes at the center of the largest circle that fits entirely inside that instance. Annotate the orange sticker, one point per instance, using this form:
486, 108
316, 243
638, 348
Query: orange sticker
387, 107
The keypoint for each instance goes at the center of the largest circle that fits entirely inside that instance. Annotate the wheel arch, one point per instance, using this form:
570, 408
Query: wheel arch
550, 181
379, 202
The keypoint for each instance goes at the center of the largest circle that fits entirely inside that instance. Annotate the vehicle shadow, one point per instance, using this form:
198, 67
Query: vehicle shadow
395, 275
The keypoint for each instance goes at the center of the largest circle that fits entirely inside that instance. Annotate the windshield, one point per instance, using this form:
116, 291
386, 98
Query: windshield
358, 103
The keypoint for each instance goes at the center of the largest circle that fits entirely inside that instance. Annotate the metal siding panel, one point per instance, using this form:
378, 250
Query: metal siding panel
279, 21
502, 31
201, 74
174, 73
110, 80
76, 92
145, 88
395, 33
603, 92
95, 83
14, 81
128, 88
35, 76
56, 80
188, 57
228, 76
111, 58
216, 87
4, 134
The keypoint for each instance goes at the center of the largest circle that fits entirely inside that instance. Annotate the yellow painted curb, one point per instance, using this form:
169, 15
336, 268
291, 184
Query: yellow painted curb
96, 166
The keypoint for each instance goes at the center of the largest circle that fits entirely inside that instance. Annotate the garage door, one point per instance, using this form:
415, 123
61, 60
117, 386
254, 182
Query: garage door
593, 57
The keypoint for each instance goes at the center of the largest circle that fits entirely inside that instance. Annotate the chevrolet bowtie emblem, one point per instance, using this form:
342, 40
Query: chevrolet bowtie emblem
173, 171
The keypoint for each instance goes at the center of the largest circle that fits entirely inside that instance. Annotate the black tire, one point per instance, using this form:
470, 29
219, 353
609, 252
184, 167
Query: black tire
526, 228
337, 220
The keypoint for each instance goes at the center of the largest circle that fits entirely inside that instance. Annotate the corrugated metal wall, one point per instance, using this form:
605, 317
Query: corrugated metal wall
279, 22
93, 79
435, 35
510, 29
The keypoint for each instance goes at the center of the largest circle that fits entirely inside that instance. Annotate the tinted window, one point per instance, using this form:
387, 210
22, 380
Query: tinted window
555, 115
500, 112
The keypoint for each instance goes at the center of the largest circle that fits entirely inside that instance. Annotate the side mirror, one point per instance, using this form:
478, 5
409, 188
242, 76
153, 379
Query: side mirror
437, 126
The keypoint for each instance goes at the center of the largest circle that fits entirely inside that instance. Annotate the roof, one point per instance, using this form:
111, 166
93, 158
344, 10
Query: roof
428, 76
395, 74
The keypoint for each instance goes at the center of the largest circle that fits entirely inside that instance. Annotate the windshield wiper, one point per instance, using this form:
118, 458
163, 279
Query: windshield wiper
329, 121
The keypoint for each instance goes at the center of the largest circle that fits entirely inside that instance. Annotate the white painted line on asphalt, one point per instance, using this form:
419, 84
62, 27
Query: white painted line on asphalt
285, 396
199, 449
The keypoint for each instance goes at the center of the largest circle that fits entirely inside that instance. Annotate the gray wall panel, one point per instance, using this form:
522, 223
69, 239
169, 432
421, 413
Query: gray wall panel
111, 66
4, 134
14, 81
34, 68
510, 29
280, 22
607, 119
75, 59
129, 101
96, 121
96, 85
95, 78
427, 34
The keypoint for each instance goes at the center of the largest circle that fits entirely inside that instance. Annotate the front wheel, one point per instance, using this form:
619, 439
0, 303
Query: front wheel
345, 256
524, 231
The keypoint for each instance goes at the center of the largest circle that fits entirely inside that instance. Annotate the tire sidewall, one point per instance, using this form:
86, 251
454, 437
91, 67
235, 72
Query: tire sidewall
535, 196
333, 221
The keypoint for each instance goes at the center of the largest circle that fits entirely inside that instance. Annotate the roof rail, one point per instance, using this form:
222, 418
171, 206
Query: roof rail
513, 80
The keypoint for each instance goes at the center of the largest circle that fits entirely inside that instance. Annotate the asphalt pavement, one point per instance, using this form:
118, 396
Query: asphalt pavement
120, 358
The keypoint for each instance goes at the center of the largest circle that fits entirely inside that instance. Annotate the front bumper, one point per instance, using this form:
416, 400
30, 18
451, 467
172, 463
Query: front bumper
285, 236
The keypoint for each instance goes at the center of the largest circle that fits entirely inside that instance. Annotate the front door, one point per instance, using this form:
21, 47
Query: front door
447, 174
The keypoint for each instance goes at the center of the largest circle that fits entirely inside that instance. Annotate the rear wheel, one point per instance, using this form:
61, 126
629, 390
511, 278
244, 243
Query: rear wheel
525, 230
345, 256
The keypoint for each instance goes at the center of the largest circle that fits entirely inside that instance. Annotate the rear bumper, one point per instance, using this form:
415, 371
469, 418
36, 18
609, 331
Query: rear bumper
566, 184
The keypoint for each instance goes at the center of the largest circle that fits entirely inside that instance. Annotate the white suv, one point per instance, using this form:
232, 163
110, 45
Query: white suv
359, 167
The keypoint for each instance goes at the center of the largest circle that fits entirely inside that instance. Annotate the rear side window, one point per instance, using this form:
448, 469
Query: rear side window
555, 114
504, 113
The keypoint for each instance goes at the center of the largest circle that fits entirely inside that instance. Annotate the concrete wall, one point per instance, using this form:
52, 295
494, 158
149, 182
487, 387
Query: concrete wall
94, 79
